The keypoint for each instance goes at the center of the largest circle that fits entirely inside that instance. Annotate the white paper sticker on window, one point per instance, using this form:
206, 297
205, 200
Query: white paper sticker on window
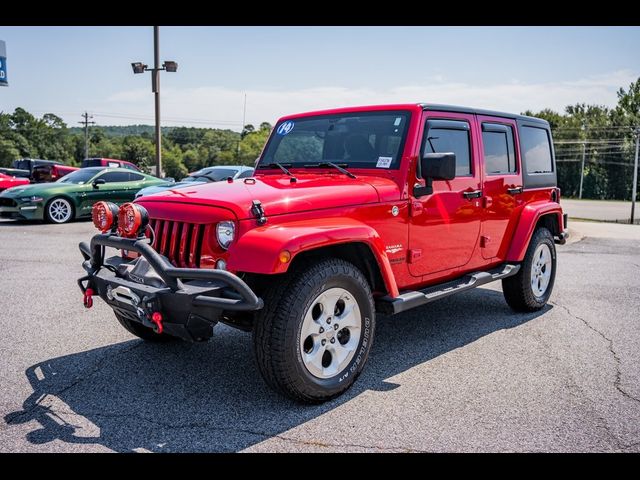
384, 162
397, 122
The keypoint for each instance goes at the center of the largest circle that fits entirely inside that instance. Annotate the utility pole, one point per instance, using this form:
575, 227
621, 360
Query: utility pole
584, 154
86, 124
244, 116
634, 189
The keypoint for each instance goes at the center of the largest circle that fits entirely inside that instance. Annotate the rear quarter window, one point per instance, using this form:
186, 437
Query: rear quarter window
536, 150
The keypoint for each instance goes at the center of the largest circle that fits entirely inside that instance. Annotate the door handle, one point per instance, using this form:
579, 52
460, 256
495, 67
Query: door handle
514, 190
472, 194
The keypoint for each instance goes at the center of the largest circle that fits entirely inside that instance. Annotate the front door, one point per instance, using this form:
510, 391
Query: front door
502, 184
445, 225
115, 189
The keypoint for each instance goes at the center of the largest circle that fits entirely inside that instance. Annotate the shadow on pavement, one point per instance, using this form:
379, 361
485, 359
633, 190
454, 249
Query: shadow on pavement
210, 397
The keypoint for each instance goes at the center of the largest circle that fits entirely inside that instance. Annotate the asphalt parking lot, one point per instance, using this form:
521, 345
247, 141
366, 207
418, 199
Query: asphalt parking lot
463, 374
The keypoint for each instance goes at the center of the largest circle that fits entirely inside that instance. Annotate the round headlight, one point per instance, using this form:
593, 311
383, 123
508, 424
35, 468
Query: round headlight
132, 220
105, 216
225, 233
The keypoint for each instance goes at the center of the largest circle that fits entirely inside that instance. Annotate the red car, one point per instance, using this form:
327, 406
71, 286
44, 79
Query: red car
51, 173
108, 162
350, 213
7, 181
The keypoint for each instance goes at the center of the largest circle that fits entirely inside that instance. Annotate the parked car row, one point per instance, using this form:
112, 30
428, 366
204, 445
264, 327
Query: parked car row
38, 170
73, 195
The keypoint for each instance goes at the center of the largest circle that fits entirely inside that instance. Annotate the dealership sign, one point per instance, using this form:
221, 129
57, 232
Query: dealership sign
3, 65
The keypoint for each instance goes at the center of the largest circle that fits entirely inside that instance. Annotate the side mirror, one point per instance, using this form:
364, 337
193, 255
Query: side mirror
435, 166
97, 182
438, 166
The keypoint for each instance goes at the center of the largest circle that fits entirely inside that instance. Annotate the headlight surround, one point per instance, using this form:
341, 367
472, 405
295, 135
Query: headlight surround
225, 233
32, 199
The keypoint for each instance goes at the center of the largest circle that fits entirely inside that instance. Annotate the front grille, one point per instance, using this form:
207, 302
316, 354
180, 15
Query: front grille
8, 202
180, 242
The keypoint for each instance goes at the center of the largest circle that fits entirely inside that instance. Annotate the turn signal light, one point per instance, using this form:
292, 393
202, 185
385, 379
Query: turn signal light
132, 220
105, 216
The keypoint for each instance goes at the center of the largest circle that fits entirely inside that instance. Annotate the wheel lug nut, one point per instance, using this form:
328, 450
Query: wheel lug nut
324, 342
329, 320
335, 326
333, 340
321, 330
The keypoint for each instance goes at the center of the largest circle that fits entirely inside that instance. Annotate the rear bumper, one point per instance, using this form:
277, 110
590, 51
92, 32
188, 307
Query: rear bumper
561, 239
190, 300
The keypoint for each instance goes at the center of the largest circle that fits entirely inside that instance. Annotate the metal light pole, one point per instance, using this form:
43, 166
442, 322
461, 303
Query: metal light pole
155, 86
169, 66
634, 189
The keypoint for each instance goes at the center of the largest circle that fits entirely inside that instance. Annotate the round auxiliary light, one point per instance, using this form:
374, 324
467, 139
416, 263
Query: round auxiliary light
105, 216
132, 220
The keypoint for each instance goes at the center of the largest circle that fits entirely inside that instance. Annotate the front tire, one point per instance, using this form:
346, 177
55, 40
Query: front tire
530, 289
59, 210
143, 332
313, 338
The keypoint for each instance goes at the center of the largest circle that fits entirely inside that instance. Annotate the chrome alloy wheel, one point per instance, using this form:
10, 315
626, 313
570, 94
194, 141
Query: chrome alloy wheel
330, 333
60, 210
541, 270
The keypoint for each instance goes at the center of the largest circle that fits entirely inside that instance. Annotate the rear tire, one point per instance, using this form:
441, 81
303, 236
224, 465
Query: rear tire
145, 333
530, 289
313, 337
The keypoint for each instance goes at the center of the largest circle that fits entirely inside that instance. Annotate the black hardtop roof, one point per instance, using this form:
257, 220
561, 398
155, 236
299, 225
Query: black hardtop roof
479, 111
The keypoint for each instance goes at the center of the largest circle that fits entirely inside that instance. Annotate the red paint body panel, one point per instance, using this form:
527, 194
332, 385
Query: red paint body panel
527, 222
447, 229
499, 216
416, 241
7, 181
266, 242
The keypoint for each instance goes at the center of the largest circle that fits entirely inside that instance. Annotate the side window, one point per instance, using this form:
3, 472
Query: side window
111, 177
536, 149
246, 173
499, 150
444, 136
135, 177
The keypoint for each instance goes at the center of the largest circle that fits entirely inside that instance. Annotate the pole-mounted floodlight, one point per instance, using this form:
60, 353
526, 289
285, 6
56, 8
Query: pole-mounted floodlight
138, 67
170, 66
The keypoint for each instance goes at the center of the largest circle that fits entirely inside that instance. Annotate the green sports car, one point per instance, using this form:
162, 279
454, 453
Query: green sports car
74, 194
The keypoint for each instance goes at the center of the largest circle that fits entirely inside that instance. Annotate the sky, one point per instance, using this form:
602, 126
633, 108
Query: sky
283, 70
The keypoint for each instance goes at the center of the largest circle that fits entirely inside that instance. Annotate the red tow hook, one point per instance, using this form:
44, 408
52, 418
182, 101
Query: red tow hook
156, 317
88, 298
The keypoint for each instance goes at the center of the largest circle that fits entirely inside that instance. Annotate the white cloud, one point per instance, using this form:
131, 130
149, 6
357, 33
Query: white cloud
220, 106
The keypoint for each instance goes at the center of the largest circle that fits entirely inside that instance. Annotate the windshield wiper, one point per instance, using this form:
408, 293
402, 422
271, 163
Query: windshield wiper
280, 166
333, 165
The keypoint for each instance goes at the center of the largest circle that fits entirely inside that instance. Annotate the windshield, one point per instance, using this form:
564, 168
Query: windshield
80, 176
359, 140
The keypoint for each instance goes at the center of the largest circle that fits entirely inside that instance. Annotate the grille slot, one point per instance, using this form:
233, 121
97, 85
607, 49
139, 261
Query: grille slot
180, 242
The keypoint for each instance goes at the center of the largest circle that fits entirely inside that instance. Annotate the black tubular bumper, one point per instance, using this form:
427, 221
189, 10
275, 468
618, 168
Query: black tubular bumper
190, 300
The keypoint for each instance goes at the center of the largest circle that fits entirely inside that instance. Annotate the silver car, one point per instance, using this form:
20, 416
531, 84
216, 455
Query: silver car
205, 175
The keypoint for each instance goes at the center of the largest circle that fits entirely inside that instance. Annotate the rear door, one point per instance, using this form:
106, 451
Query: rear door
502, 184
445, 225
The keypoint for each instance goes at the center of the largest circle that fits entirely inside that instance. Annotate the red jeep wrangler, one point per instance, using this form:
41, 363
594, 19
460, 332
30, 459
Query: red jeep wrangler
351, 212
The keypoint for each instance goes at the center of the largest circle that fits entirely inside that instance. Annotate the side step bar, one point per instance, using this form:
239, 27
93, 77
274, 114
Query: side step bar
415, 298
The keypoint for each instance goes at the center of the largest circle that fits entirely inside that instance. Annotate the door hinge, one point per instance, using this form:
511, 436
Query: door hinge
414, 255
416, 208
